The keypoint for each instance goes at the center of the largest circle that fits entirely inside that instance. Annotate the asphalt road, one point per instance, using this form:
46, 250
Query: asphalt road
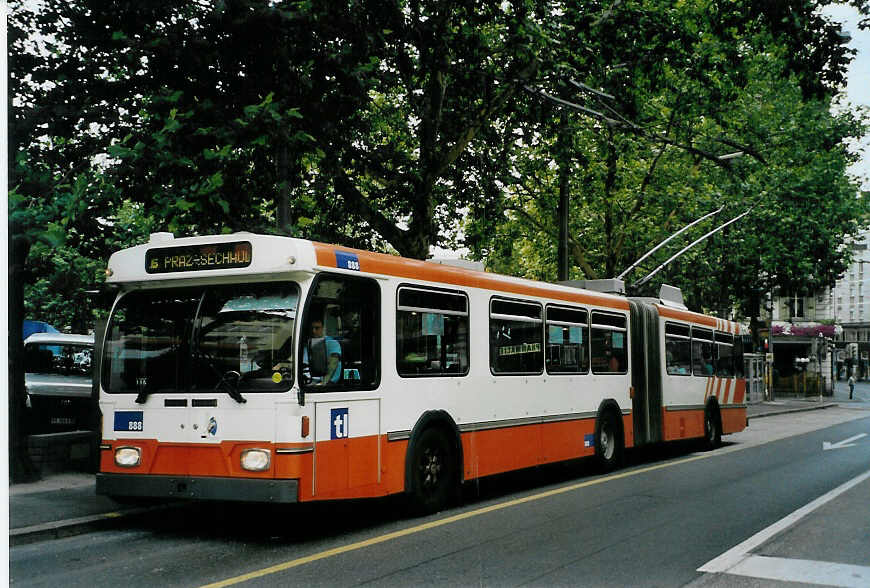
653, 523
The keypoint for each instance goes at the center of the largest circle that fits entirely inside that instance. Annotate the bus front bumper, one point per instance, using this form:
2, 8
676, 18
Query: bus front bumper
198, 488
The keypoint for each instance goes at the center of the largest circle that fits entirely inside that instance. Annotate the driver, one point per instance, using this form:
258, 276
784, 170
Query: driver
333, 356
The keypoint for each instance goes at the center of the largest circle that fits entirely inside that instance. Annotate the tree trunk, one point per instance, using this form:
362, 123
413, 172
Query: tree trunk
564, 208
21, 468
282, 212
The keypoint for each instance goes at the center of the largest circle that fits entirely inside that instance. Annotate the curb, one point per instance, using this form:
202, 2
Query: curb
794, 409
80, 525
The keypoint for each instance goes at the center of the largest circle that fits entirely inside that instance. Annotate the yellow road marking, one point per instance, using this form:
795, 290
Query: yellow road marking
440, 523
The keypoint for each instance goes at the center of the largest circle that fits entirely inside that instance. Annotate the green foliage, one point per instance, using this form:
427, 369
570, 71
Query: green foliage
723, 80
405, 125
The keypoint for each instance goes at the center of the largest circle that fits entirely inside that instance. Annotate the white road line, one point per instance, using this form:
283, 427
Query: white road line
826, 446
739, 553
804, 571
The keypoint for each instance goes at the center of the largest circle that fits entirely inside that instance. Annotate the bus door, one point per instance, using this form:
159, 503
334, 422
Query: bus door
347, 451
339, 373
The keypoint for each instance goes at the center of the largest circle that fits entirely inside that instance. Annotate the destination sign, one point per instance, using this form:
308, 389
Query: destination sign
193, 258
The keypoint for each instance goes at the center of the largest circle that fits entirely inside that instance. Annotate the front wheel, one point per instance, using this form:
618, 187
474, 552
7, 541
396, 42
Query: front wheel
433, 473
608, 442
712, 428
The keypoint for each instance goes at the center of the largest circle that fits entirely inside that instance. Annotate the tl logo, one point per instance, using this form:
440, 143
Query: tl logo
340, 422
212, 427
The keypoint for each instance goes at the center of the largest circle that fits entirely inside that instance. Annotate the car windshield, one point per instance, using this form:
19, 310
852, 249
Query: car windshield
59, 359
235, 338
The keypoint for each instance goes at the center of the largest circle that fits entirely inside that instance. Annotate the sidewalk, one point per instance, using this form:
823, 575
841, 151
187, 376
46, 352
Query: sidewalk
66, 504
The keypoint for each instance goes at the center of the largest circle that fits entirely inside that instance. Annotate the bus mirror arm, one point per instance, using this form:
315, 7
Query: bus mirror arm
300, 396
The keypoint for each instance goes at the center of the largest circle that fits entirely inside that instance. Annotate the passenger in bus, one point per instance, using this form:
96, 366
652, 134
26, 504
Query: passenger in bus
613, 363
321, 357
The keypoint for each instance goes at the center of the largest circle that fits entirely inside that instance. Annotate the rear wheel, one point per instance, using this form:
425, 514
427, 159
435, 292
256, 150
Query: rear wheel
433, 474
608, 441
712, 427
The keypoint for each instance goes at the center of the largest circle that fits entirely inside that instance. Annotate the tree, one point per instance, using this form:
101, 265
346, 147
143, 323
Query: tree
717, 91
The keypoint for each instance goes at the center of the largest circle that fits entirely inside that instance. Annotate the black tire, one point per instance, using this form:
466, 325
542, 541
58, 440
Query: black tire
712, 427
433, 473
609, 441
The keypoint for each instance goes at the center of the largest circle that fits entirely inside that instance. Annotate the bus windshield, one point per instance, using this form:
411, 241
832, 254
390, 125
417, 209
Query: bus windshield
234, 338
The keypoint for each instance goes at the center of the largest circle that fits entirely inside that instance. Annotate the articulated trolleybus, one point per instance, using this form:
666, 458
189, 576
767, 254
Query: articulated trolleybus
263, 368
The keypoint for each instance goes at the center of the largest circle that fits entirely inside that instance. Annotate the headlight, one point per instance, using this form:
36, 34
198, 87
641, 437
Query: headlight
128, 457
256, 460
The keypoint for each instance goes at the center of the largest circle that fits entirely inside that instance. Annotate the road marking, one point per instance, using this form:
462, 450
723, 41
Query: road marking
442, 522
739, 561
826, 446
803, 571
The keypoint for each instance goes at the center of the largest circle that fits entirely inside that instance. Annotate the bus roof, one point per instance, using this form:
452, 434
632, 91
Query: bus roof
165, 259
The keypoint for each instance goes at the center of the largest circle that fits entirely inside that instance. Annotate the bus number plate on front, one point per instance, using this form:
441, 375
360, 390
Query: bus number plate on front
129, 420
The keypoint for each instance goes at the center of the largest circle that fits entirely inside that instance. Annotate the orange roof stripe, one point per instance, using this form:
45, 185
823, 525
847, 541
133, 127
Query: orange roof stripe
402, 267
688, 316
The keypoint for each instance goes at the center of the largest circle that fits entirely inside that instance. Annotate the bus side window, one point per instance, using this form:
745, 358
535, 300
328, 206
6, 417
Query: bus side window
678, 349
431, 332
702, 352
567, 340
724, 355
609, 343
516, 337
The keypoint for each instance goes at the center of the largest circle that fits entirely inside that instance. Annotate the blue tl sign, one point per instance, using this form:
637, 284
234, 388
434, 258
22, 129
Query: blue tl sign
340, 421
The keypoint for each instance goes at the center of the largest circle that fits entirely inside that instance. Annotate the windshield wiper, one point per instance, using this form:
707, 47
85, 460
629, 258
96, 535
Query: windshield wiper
230, 381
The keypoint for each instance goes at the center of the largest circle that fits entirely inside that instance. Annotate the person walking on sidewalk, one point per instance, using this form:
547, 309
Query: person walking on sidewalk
851, 385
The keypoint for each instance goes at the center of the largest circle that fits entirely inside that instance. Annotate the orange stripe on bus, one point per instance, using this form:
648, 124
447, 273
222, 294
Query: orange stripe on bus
687, 315
370, 466
401, 267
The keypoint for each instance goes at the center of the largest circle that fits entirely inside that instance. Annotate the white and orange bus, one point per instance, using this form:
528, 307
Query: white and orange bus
263, 368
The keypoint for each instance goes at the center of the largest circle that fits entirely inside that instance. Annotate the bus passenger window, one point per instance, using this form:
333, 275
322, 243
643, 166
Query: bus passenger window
340, 335
567, 341
724, 355
609, 343
702, 352
431, 332
678, 349
516, 337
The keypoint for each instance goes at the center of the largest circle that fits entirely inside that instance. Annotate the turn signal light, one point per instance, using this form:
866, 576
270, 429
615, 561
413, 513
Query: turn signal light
306, 426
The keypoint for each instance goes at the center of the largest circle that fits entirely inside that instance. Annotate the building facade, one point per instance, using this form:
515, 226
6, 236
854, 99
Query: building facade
850, 306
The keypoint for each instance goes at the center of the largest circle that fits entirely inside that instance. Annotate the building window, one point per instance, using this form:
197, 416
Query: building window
795, 306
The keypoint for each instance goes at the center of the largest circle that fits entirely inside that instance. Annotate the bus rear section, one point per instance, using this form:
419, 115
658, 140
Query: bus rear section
687, 374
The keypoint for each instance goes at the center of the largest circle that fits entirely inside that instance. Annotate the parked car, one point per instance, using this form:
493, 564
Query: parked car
58, 382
